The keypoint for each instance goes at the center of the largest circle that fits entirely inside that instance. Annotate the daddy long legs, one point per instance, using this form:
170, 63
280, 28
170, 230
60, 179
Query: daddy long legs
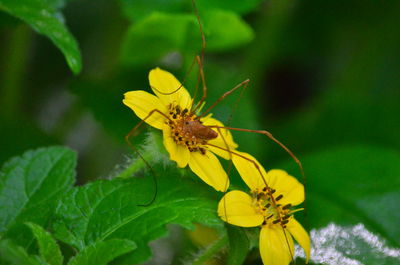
194, 134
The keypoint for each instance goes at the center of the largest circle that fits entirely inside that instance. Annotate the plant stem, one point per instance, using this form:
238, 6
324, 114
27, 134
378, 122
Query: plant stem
13, 72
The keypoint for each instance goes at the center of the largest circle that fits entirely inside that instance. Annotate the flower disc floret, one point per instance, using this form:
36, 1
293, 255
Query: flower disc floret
274, 213
178, 122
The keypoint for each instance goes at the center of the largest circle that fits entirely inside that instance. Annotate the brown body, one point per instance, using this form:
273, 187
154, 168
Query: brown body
194, 129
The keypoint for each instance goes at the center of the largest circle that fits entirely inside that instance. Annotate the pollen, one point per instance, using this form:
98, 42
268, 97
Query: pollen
275, 214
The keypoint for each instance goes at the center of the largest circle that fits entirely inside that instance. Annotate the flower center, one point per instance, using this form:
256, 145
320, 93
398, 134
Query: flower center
185, 129
267, 203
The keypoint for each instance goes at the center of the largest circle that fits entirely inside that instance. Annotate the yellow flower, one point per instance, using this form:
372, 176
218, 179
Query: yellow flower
270, 207
186, 137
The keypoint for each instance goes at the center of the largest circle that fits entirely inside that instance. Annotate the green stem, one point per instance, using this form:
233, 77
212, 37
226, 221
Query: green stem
213, 249
136, 165
13, 73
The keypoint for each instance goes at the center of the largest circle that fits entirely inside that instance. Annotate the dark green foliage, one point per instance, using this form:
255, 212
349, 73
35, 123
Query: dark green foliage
28, 134
223, 29
170, 29
102, 252
365, 189
239, 245
137, 9
111, 209
45, 19
48, 248
323, 79
17, 255
32, 184
237, 6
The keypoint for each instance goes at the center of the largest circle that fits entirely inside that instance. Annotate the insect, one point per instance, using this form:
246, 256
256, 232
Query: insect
193, 139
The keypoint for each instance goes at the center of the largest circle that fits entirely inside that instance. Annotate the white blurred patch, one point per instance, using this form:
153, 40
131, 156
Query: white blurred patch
172, 60
350, 245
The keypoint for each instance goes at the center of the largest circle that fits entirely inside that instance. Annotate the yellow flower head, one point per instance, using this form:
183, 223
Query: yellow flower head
187, 138
274, 193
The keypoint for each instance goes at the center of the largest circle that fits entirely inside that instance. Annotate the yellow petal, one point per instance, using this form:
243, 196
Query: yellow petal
301, 236
247, 169
223, 134
165, 86
142, 103
178, 153
274, 246
236, 208
209, 169
291, 189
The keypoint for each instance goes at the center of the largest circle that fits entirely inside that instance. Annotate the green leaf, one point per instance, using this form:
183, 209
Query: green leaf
354, 184
239, 245
138, 9
101, 253
55, 3
17, 255
103, 210
160, 33
48, 248
32, 184
237, 6
225, 30
43, 18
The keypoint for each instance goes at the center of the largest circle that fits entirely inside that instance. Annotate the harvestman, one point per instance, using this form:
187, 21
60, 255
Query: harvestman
201, 132
194, 126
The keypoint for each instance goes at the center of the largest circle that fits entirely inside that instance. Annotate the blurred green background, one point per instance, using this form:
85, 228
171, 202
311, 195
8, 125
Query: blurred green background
324, 80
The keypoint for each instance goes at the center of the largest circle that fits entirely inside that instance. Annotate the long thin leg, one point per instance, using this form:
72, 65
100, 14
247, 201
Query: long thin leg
248, 159
251, 161
203, 82
200, 58
245, 82
228, 122
226, 144
230, 154
203, 38
199, 78
229, 169
136, 150
237, 154
145, 118
270, 136
183, 81
273, 201
287, 243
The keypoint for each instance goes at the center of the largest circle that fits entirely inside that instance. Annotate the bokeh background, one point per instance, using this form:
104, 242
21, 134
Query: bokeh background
325, 78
